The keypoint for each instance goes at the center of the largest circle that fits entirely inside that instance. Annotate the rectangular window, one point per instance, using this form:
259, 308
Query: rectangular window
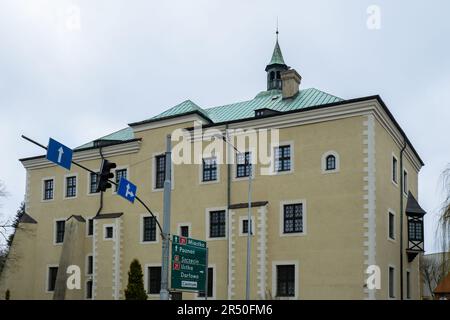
93, 182
391, 282
71, 187
415, 230
391, 226
149, 229
408, 285
154, 280
243, 165
60, 228
293, 218
184, 231
90, 264
217, 224
48, 189
109, 232
52, 273
394, 169
405, 182
121, 173
90, 227
89, 289
286, 281
283, 158
209, 169
160, 171
245, 227
210, 284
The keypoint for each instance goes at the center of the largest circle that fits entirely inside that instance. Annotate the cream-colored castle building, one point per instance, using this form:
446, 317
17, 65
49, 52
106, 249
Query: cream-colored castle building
329, 211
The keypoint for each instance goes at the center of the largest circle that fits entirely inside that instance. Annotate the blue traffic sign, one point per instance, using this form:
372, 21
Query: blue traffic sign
127, 190
59, 154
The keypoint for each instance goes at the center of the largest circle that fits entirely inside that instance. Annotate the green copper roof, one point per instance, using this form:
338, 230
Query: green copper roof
236, 111
184, 107
121, 135
271, 100
277, 56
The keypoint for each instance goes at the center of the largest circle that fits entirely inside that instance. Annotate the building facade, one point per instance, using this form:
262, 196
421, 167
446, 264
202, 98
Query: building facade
329, 210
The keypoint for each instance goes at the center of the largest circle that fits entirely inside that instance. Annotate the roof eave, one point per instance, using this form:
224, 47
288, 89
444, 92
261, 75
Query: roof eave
134, 124
83, 149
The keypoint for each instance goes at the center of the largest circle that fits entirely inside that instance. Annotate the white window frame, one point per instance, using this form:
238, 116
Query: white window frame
87, 226
184, 224
200, 172
43, 189
85, 291
272, 171
146, 275
390, 211
207, 211
70, 175
235, 164
405, 192
395, 183
141, 229
54, 231
104, 232
281, 218
241, 224
408, 271
88, 186
153, 173
324, 162
275, 278
213, 297
87, 265
47, 270
393, 282
113, 187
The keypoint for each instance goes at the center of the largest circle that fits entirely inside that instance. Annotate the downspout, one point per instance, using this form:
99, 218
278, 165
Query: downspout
228, 206
401, 219
101, 192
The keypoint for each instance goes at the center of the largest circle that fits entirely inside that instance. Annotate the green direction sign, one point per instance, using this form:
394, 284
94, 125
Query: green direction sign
188, 264
189, 242
188, 254
187, 277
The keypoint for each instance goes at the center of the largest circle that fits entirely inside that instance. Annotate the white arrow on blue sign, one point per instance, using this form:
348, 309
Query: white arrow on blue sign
59, 154
127, 189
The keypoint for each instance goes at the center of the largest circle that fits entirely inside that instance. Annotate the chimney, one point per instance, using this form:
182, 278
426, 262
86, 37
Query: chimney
290, 83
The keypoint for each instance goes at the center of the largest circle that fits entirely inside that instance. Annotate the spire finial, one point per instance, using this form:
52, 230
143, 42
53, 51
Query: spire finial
277, 30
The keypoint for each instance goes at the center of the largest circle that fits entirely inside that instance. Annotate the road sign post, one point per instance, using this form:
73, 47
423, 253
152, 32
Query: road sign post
189, 264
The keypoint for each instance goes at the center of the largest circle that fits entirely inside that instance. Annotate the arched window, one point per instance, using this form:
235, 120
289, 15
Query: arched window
331, 163
272, 75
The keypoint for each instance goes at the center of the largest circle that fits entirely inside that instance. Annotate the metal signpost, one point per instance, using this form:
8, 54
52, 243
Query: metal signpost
189, 265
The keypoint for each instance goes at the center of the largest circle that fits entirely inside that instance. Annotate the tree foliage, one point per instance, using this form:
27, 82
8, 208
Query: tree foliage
135, 288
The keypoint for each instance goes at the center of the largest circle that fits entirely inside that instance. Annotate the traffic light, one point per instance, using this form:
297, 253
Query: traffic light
105, 174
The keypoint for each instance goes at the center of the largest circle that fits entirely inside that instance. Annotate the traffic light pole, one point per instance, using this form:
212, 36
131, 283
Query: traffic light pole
110, 181
164, 293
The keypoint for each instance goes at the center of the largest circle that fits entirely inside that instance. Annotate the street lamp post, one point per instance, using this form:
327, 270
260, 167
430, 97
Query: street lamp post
249, 216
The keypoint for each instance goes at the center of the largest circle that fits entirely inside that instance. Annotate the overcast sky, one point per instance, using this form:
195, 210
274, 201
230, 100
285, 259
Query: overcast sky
77, 70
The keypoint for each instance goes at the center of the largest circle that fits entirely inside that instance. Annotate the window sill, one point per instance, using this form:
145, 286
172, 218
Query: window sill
330, 171
216, 239
296, 234
149, 242
209, 182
